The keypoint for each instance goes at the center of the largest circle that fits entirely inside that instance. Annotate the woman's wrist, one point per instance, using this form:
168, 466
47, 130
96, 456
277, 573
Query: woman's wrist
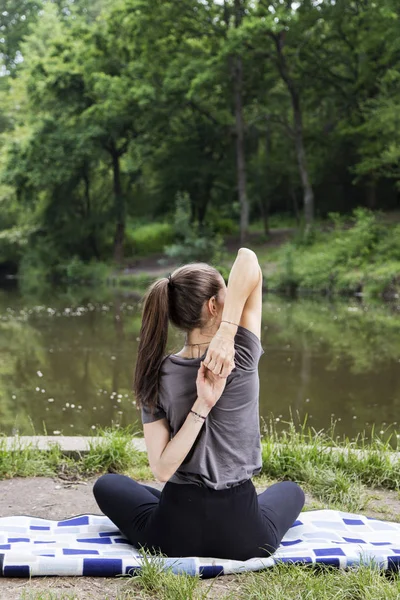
201, 408
227, 329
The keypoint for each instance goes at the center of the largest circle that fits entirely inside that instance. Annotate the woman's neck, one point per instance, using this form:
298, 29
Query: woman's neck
197, 342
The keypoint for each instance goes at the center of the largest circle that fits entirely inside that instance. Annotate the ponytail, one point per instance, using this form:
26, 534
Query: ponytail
152, 344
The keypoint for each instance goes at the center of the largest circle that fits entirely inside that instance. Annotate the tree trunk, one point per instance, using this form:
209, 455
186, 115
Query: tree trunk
295, 205
308, 193
205, 199
371, 195
119, 206
92, 235
265, 198
240, 142
264, 209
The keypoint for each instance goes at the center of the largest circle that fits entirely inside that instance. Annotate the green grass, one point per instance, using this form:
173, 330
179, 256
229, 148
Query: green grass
110, 452
283, 581
342, 259
304, 583
147, 239
113, 452
47, 596
28, 461
158, 582
333, 470
335, 479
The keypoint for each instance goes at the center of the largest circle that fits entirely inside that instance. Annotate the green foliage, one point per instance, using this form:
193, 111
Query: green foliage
112, 451
12, 243
349, 259
42, 265
148, 239
161, 582
77, 271
334, 470
194, 243
324, 583
23, 460
110, 109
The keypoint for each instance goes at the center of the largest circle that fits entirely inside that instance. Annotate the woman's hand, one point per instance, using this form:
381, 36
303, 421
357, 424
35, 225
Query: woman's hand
220, 357
209, 386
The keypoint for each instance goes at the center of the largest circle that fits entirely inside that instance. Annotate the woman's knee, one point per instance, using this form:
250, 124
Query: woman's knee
296, 492
105, 486
100, 486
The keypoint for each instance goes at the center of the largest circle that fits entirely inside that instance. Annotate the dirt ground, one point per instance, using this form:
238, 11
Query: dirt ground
55, 499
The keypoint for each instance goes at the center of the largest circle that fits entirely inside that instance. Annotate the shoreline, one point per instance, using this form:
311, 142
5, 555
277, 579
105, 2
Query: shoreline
75, 445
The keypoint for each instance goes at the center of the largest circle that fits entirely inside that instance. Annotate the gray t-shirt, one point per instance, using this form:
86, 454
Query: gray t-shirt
227, 450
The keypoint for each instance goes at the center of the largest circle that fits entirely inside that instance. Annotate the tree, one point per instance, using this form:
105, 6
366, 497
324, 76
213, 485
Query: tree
16, 18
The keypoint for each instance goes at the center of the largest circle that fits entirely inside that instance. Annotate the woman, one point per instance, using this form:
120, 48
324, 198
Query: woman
201, 423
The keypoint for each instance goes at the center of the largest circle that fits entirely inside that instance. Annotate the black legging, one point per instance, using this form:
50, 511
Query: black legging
190, 520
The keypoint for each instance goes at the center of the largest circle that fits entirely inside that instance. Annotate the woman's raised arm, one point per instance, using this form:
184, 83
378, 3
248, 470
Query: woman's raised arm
242, 306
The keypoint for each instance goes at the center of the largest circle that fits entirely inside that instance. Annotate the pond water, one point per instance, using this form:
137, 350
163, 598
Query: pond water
66, 366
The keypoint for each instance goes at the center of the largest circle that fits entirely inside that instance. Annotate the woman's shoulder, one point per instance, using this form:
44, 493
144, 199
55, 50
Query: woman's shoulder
248, 349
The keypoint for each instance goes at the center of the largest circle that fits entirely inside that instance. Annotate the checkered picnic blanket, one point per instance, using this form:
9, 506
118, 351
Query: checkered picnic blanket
90, 545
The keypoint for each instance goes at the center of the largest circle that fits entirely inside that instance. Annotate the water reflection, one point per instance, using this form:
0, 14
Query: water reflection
67, 366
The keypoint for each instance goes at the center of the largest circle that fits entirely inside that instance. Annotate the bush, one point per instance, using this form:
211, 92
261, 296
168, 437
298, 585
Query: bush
37, 267
42, 266
77, 271
383, 279
194, 243
347, 260
224, 226
148, 239
355, 246
12, 243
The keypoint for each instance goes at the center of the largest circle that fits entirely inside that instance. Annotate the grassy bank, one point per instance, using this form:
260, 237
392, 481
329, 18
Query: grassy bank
342, 255
284, 581
334, 471
361, 255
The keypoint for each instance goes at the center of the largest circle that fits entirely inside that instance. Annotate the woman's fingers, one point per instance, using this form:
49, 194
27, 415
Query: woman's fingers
212, 363
220, 364
227, 368
201, 372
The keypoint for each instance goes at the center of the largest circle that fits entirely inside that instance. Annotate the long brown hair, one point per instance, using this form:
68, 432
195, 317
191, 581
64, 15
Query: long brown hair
180, 299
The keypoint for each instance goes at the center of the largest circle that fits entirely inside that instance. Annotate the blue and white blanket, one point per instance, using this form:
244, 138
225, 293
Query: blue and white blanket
91, 545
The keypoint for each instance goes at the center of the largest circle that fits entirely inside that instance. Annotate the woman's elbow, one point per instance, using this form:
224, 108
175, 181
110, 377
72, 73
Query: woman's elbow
247, 253
160, 474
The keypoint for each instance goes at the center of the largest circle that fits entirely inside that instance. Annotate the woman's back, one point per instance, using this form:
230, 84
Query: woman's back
227, 450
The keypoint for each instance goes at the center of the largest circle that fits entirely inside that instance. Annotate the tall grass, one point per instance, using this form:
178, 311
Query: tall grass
305, 583
110, 451
27, 461
344, 260
333, 470
283, 581
160, 582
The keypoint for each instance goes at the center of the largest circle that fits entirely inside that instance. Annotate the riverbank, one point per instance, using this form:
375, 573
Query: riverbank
363, 477
342, 256
55, 498
356, 255
334, 471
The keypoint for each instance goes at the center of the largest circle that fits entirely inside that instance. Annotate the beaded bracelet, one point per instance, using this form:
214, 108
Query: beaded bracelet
230, 322
198, 415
